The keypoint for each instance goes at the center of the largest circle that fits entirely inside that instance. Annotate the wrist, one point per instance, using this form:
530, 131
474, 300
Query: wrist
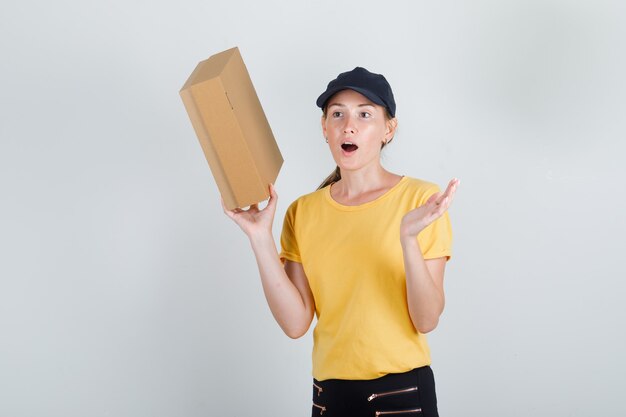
409, 231
261, 237
408, 241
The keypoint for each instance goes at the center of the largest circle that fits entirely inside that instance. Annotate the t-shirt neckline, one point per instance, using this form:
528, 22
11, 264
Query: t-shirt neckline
364, 205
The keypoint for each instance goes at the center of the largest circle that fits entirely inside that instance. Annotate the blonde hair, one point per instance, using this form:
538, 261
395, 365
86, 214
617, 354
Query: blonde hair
336, 174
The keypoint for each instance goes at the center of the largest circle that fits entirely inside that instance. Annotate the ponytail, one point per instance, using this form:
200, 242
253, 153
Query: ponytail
333, 177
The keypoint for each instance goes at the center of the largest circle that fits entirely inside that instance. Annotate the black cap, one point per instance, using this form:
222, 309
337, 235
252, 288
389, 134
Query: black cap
373, 86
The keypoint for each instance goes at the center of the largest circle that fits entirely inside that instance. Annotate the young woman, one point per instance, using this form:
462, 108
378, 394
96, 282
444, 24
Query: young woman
366, 254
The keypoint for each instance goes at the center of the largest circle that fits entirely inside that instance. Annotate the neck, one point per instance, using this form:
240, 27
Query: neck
356, 183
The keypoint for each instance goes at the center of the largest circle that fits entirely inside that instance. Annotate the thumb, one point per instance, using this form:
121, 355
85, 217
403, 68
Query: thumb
273, 197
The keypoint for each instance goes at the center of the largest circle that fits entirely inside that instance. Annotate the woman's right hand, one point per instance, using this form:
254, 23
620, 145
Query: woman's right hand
254, 221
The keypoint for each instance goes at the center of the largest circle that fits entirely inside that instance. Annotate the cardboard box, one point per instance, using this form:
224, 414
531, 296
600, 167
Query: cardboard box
233, 131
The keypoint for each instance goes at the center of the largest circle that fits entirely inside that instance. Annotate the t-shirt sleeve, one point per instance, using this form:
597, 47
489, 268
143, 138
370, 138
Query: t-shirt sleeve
288, 242
436, 239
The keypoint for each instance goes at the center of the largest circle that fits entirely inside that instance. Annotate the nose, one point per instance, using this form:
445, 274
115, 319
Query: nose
349, 127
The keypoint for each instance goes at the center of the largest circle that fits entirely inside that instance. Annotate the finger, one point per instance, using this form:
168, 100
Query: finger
445, 203
273, 198
273, 191
438, 210
446, 193
450, 190
230, 213
454, 183
432, 200
452, 186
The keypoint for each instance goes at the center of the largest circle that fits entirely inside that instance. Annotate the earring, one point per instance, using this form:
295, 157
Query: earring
326, 140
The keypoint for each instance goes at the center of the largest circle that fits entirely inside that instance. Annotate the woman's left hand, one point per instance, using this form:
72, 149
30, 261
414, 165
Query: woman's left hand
418, 219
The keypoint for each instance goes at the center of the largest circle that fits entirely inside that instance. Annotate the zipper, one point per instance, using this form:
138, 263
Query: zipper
383, 413
382, 394
319, 389
321, 407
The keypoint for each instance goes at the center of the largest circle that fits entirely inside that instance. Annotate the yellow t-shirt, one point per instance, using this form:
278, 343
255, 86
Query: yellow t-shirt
353, 260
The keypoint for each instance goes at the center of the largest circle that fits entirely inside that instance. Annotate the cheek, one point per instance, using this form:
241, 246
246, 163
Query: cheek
373, 131
334, 128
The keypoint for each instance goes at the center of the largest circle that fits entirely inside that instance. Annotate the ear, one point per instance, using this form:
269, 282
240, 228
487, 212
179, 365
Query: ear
324, 125
392, 125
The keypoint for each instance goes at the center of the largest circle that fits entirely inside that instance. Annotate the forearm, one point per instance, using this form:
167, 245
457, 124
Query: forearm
283, 298
425, 300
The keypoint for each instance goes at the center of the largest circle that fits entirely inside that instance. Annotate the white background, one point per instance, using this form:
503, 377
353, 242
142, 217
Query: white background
125, 290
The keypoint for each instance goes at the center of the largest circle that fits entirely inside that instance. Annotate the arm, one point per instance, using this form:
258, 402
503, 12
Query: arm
424, 287
286, 289
424, 278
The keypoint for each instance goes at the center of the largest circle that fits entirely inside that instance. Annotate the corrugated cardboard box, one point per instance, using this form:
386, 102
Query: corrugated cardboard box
233, 131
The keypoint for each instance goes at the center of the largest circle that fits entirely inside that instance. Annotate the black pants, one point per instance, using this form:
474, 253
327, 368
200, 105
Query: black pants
407, 394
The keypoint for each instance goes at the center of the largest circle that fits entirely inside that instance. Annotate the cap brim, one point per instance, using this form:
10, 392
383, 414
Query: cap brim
321, 100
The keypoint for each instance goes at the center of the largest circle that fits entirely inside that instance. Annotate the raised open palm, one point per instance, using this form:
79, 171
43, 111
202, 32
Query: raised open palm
419, 218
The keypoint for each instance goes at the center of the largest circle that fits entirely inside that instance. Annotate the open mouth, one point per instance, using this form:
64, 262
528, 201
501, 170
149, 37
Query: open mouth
349, 147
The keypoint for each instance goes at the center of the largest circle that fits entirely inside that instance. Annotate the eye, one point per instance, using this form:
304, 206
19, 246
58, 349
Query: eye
336, 114
365, 115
